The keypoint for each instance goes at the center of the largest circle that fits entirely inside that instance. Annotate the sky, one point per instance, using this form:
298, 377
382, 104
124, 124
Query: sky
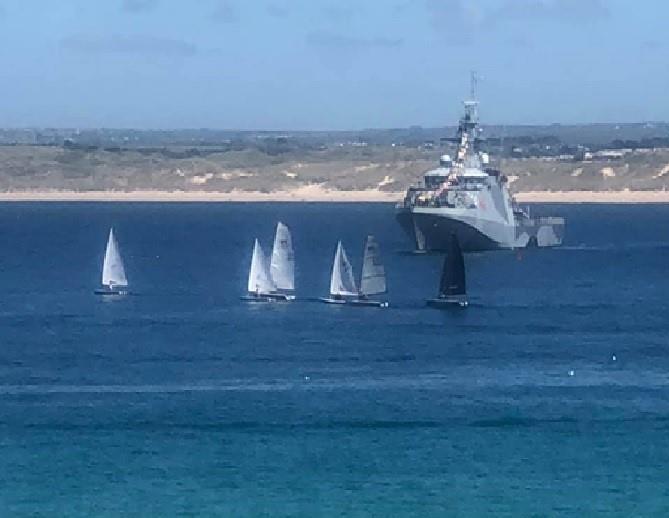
329, 64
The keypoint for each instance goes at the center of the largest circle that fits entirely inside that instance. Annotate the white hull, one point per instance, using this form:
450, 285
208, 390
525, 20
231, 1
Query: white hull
112, 291
268, 297
355, 302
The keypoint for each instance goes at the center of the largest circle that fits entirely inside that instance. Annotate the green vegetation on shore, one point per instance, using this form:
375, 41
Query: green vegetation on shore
347, 168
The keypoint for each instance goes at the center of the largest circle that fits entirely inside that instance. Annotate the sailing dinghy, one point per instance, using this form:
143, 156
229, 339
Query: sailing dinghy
452, 287
273, 281
114, 280
372, 281
282, 264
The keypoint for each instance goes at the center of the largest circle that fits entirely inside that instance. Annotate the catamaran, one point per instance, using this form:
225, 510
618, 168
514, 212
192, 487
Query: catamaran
452, 288
274, 281
372, 281
114, 280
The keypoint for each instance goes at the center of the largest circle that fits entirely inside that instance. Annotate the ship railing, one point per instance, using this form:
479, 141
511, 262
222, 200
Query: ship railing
433, 202
545, 220
550, 220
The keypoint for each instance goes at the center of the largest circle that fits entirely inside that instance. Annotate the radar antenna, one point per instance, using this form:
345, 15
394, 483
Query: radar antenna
473, 84
471, 117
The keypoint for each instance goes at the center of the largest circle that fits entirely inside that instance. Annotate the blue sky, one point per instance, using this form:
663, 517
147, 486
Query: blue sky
321, 64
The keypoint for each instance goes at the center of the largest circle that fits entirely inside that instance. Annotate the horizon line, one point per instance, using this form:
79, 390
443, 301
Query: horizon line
352, 130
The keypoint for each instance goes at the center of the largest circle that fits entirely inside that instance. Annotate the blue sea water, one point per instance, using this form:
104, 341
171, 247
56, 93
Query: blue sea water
183, 400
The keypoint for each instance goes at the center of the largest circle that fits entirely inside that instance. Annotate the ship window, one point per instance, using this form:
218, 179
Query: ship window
432, 182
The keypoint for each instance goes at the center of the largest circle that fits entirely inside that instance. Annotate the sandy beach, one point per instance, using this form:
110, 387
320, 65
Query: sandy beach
307, 193
624, 196
316, 193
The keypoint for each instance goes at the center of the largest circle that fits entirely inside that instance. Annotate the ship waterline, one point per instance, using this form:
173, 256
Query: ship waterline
430, 230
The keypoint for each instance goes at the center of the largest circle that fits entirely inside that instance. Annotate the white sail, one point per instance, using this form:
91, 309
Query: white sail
260, 280
113, 273
373, 280
282, 265
342, 281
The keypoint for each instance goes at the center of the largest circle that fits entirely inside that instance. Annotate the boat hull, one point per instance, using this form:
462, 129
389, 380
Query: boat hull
448, 302
437, 231
355, 302
431, 229
112, 291
268, 297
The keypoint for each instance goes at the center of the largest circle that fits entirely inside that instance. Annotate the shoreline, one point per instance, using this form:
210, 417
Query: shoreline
314, 194
305, 194
624, 196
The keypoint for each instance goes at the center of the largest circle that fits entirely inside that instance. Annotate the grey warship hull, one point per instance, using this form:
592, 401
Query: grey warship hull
430, 230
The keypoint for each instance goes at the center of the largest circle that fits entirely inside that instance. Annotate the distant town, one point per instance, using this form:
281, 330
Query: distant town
553, 140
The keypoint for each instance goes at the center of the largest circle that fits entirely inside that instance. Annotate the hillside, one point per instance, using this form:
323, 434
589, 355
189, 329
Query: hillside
38, 168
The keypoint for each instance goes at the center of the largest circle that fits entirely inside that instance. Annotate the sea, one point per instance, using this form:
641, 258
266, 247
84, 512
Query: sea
547, 396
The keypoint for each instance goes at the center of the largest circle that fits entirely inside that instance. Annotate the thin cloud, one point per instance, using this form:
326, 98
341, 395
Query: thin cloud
335, 41
277, 10
338, 13
651, 45
454, 20
570, 11
139, 45
225, 12
138, 6
457, 20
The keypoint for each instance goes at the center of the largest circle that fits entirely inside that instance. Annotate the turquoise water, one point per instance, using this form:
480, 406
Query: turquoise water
182, 400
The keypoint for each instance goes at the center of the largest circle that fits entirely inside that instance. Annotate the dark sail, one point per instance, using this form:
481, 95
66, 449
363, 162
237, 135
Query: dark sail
453, 274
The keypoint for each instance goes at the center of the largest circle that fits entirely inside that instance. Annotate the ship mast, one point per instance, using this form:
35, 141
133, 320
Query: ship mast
468, 127
471, 118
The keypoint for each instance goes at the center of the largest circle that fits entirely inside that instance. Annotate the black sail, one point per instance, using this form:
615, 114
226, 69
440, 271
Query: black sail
453, 274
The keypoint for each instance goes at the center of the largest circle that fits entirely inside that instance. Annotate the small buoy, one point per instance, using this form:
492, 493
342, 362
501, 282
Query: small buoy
571, 373
613, 357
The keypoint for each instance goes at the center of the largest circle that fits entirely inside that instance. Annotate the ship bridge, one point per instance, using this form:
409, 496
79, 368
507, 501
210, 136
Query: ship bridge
436, 177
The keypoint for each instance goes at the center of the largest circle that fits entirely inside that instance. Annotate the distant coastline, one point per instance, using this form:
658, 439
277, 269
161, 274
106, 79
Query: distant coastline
624, 196
307, 193
315, 194
335, 173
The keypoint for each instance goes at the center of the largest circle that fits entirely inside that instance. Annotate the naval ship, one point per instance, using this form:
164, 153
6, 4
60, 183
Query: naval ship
468, 197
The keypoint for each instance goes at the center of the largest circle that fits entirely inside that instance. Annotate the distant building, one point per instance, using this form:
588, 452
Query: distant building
608, 154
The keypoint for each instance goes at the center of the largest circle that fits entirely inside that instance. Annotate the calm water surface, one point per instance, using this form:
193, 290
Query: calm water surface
182, 400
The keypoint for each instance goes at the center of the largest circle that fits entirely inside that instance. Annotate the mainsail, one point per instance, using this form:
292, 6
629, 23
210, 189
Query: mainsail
282, 266
373, 280
453, 274
113, 273
260, 280
342, 281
